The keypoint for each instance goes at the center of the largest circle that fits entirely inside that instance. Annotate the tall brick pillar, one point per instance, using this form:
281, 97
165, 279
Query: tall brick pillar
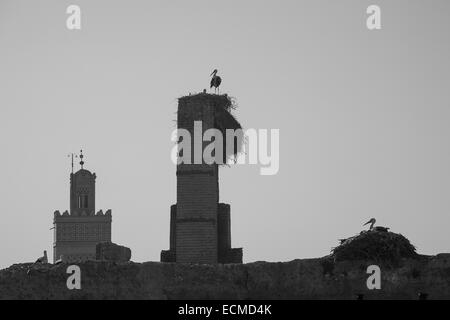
197, 190
200, 227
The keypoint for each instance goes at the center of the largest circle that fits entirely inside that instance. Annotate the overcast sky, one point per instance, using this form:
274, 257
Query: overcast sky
363, 118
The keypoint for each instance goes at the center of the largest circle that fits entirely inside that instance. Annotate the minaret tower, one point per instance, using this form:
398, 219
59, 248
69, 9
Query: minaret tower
77, 233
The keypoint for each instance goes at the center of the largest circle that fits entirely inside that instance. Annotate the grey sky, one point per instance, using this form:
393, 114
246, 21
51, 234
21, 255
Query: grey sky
363, 118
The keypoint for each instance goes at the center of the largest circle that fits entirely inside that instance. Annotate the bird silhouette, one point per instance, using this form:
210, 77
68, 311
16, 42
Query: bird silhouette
215, 81
377, 228
42, 259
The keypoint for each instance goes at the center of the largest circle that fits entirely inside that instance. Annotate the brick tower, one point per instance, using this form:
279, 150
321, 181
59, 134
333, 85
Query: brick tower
77, 233
200, 228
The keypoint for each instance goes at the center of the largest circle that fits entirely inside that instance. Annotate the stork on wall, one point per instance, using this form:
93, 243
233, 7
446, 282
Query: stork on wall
215, 81
41, 260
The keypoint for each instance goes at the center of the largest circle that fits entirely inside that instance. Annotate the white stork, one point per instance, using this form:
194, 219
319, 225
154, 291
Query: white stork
377, 228
215, 81
42, 259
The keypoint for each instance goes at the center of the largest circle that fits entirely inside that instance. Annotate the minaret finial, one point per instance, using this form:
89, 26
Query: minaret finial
81, 159
71, 155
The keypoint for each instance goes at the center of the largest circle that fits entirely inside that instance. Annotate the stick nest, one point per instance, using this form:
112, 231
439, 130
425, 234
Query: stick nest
375, 246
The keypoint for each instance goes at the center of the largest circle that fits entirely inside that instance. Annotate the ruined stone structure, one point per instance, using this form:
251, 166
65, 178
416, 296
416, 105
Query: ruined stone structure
77, 233
200, 227
108, 251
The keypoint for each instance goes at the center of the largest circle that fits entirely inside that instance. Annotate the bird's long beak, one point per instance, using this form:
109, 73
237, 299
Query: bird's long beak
367, 222
213, 73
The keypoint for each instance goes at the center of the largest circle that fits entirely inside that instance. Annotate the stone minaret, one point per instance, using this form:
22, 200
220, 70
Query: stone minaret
76, 233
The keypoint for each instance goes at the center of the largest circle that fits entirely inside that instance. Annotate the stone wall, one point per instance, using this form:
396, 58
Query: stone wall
298, 279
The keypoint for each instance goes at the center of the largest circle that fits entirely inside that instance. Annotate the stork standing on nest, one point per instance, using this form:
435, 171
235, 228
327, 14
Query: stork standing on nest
215, 81
377, 228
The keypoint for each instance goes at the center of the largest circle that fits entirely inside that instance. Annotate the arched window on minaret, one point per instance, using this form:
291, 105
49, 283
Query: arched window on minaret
83, 201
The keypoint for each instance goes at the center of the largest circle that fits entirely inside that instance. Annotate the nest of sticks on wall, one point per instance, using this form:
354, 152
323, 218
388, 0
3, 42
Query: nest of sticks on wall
224, 119
375, 246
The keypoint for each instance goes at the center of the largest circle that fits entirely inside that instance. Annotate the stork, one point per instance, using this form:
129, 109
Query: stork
42, 259
215, 81
377, 228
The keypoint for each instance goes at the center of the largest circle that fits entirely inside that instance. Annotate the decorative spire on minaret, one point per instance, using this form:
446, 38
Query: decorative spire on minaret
71, 155
81, 159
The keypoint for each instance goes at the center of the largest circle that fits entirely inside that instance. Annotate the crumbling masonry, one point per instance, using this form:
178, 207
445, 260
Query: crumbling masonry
200, 226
